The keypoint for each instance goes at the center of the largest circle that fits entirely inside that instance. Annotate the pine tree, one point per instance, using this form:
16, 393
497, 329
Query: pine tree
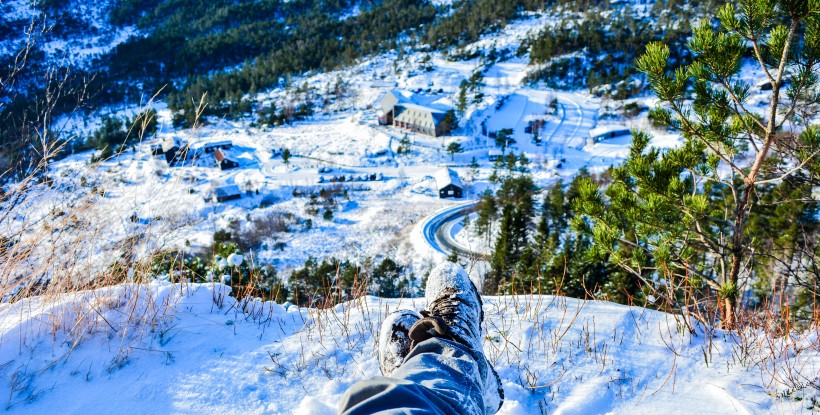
503, 257
461, 100
681, 215
453, 148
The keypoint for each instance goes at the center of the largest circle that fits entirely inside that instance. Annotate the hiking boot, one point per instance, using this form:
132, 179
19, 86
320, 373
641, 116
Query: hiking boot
394, 339
454, 312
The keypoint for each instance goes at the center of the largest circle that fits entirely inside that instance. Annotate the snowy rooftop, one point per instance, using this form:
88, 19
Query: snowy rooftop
433, 103
220, 155
230, 190
210, 144
446, 177
606, 129
172, 142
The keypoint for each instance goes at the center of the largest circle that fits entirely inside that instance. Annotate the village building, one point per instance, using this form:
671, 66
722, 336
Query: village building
534, 125
213, 146
606, 132
414, 113
224, 161
175, 150
495, 154
448, 184
226, 193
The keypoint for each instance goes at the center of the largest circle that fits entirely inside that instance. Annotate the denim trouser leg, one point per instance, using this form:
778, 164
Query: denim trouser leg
437, 377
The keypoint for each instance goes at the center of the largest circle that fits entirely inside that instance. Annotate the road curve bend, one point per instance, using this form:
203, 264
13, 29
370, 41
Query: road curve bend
437, 230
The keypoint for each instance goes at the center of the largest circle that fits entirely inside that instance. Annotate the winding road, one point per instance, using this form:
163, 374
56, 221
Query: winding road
437, 230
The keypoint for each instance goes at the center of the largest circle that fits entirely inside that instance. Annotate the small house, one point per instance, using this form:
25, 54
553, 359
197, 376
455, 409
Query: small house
175, 150
495, 154
213, 146
448, 184
604, 133
534, 125
156, 149
224, 161
226, 193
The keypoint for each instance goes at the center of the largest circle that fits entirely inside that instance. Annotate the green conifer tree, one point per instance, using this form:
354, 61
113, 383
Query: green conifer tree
680, 216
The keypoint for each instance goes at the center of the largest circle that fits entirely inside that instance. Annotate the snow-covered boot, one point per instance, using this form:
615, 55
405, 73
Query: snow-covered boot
394, 341
454, 312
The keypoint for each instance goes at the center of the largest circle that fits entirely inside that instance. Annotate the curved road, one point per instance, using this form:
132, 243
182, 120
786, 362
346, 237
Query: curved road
437, 230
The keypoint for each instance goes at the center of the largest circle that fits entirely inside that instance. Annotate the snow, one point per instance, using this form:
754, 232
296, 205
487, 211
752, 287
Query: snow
169, 348
191, 349
235, 260
97, 37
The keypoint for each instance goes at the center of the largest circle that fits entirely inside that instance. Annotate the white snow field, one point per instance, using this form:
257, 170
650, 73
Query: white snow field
166, 348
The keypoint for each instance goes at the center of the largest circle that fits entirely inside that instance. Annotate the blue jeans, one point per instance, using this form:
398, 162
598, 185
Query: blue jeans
437, 377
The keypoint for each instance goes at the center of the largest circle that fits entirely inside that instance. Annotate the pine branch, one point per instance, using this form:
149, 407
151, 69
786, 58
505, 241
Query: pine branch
790, 172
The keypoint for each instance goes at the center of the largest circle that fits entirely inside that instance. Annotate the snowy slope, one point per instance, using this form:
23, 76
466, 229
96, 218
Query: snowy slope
71, 32
165, 348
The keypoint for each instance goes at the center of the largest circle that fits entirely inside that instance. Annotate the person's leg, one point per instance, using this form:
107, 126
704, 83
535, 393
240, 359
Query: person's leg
438, 377
443, 370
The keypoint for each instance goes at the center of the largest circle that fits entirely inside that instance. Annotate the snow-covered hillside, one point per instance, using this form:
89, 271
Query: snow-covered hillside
165, 348
70, 33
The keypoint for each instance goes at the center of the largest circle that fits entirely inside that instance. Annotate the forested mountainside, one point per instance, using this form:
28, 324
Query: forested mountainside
124, 52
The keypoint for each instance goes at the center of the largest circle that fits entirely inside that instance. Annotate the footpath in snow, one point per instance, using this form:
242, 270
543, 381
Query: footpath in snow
166, 348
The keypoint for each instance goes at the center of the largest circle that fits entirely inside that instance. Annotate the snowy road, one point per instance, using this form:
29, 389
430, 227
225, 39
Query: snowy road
574, 125
437, 230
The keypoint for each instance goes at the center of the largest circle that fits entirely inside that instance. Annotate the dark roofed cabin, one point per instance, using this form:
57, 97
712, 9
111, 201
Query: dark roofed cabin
226, 193
224, 162
176, 150
448, 184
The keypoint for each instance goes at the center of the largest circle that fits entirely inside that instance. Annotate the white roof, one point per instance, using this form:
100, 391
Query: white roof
227, 190
447, 176
494, 152
604, 129
418, 107
432, 103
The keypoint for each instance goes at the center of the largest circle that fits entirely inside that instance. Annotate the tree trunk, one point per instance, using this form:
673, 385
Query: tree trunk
729, 317
730, 301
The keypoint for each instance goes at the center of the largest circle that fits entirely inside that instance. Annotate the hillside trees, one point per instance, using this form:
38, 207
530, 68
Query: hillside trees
116, 133
515, 205
535, 249
312, 37
681, 219
331, 281
472, 18
453, 148
602, 48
